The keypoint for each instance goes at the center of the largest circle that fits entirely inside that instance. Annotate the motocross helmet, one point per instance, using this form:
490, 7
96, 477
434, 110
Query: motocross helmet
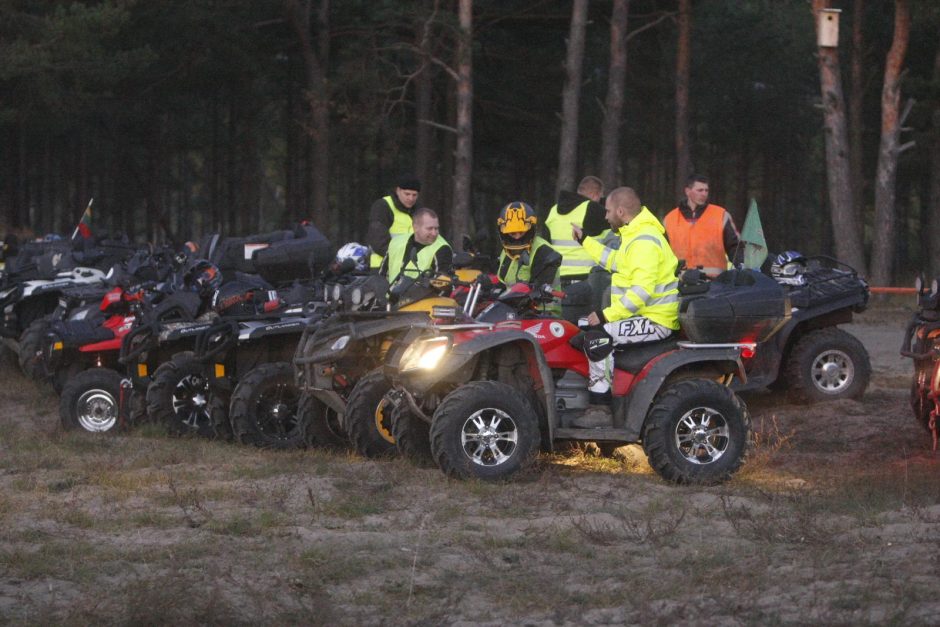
516, 223
203, 277
788, 268
355, 251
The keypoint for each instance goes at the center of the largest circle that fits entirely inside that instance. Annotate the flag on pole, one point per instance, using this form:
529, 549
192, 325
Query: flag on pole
84, 225
752, 237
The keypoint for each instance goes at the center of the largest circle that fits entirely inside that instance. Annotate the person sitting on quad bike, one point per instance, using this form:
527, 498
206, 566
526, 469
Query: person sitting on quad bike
525, 257
644, 296
425, 249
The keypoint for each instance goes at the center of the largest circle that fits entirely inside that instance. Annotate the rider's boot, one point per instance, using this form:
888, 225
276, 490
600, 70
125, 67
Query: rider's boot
597, 415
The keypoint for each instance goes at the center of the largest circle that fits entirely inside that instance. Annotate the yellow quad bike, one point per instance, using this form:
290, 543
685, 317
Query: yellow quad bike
338, 362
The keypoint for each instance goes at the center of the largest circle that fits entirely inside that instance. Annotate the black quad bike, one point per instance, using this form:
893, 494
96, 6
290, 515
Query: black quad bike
809, 357
487, 398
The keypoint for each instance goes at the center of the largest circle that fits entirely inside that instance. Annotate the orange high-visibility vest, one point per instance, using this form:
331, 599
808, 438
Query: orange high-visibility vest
701, 241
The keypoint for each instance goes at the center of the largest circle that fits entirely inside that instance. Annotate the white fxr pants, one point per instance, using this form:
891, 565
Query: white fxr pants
636, 330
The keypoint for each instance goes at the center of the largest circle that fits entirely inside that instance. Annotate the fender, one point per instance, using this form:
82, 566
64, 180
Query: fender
641, 396
259, 329
469, 350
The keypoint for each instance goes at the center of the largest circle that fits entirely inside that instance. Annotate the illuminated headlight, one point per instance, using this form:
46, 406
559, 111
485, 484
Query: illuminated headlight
337, 292
356, 296
425, 355
340, 343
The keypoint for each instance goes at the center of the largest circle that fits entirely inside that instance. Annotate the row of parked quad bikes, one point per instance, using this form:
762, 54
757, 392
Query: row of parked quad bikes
275, 341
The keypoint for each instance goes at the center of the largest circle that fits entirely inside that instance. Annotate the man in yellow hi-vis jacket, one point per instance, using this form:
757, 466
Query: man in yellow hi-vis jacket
644, 295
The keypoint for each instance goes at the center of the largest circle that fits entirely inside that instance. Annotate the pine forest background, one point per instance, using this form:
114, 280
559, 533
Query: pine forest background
184, 117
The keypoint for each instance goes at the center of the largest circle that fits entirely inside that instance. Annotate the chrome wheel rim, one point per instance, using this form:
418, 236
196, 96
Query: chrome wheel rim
191, 401
489, 437
97, 410
832, 371
702, 436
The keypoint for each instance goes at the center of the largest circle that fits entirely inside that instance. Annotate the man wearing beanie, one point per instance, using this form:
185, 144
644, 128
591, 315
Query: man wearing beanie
391, 215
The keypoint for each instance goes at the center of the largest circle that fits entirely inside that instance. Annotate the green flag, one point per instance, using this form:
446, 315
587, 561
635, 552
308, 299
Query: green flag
752, 237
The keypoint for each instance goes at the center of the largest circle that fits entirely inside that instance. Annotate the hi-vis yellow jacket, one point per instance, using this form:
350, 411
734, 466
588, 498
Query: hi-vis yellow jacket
643, 272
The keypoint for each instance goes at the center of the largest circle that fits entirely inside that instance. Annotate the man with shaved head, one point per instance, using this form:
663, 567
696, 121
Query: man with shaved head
644, 294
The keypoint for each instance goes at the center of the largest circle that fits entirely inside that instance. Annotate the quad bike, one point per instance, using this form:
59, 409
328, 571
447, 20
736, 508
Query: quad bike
922, 344
486, 398
43, 270
82, 309
180, 391
810, 357
338, 360
102, 396
252, 393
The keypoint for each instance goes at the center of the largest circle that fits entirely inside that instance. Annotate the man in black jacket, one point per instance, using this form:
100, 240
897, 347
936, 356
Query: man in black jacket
390, 216
584, 209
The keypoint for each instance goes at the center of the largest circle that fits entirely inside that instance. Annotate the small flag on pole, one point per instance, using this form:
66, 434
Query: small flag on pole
752, 237
84, 225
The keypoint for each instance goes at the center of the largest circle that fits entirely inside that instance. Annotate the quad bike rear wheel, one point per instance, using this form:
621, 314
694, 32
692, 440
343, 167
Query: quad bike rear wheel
368, 419
697, 432
827, 365
484, 430
90, 401
179, 398
265, 408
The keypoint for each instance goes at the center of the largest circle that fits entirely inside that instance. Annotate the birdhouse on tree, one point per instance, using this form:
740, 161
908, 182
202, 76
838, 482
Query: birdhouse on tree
827, 33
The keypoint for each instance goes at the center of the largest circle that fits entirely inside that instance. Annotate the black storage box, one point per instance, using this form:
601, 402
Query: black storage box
738, 306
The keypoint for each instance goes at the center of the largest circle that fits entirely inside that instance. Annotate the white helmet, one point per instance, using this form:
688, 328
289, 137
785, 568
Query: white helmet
357, 252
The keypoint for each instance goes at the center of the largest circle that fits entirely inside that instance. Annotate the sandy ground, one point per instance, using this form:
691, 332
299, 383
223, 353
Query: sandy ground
834, 519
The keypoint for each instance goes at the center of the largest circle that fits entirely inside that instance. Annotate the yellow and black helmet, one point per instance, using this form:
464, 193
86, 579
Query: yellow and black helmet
516, 223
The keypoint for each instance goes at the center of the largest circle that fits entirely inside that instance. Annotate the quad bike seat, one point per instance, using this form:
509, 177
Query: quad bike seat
633, 357
78, 333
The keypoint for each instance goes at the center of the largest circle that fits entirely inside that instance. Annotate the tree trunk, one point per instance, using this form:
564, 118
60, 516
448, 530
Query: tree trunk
613, 105
856, 104
846, 227
571, 98
463, 169
424, 133
318, 100
885, 224
683, 153
933, 239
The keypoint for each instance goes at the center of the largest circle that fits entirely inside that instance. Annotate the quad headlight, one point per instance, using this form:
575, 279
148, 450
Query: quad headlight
425, 354
337, 292
340, 343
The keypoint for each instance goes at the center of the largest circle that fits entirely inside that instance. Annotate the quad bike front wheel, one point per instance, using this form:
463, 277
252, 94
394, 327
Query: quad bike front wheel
320, 424
697, 432
91, 401
179, 398
827, 365
30, 348
265, 408
368, 419
412, 436
484, 430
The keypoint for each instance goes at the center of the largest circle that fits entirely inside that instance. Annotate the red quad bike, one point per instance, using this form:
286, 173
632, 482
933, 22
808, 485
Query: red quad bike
510, 389
922, 344
82, 359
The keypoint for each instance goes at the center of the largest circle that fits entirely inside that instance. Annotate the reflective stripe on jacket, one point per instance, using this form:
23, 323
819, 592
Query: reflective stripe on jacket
424, 260
699, 242
643, 272
401, 224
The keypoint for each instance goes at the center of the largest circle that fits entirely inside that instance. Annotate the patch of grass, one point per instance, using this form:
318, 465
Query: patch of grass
782, 517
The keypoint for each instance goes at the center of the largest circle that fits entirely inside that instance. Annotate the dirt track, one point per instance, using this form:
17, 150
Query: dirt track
835, 519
